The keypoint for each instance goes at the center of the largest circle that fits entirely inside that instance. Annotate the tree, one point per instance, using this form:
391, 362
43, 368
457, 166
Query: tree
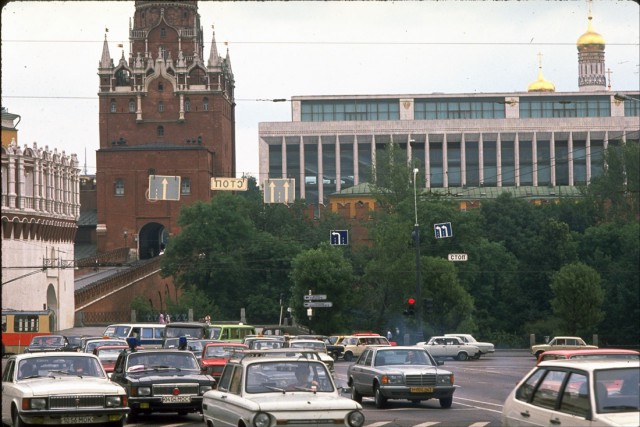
617, 189
578, 298
323, 271
391, 177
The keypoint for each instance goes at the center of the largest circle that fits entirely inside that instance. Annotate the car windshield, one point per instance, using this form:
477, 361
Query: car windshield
47, 341
617, 390
109, 354
143, 361
220, 352
402, 357
47, 366
289, 376
307, 344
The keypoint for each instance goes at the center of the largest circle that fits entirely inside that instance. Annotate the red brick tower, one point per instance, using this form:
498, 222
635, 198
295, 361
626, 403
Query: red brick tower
168, 110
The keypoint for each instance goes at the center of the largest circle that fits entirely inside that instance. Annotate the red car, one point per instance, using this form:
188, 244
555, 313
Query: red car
215, 356
595, 353
108, 354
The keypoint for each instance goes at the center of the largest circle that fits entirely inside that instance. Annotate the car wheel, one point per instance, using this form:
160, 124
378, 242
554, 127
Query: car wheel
132, 417
355, 395
415, 401
17, 421
348, 356
181, 413
381, 401
446, 402
462, 356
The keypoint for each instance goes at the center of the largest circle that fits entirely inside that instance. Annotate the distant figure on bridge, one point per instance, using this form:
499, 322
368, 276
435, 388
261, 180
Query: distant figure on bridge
167, 318
161, 318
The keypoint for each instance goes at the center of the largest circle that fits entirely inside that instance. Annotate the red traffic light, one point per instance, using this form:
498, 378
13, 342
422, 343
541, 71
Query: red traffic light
411, 301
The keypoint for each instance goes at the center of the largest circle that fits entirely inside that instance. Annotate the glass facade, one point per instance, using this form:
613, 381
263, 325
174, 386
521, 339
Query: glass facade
350, 110
463, 108
570, 106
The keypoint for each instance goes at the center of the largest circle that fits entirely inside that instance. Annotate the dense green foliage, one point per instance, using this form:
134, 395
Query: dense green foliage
569, 267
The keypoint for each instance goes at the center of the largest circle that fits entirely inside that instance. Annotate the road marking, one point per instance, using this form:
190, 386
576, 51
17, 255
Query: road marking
427, 424
378, 424
479, 424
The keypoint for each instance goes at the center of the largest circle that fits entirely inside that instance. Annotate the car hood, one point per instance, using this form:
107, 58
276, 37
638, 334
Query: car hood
409, 370
168, 376
620, 419
69, 385
305, 400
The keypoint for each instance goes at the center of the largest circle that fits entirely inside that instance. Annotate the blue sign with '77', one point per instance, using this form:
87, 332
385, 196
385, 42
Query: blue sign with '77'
442, 230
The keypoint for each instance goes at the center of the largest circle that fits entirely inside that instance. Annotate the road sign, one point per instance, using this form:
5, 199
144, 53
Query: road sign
314, 297
163, 187
229, 184
321, 304
279, 190
443, 230
339, 237
458, 257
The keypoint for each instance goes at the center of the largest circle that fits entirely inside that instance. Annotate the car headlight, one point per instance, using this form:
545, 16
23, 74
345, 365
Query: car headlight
205, 388
392, 379
113, 401
355, 419
445, 379
262, 419
34, 403
143, 391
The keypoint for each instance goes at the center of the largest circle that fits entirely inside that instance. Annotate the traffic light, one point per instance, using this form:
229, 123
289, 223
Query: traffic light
428, 305
411, 302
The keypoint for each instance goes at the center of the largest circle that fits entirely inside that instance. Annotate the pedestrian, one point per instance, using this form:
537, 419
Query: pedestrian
161, 318
167, 318
207, 319
389, 334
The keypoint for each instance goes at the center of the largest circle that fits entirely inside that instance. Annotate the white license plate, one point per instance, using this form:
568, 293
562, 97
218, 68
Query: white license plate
176, 399
77, 420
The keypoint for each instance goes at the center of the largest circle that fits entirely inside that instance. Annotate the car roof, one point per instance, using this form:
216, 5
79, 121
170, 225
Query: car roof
578, 351
591, 364
249, 360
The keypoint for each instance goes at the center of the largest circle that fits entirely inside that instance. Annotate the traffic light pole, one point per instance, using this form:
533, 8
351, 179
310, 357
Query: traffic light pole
416, 239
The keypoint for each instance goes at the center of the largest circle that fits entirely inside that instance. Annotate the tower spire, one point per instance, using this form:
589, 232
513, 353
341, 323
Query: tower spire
214, 58
105, 61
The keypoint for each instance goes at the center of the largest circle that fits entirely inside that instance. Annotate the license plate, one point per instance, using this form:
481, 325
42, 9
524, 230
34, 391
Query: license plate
77, 420
421, 389
176, 399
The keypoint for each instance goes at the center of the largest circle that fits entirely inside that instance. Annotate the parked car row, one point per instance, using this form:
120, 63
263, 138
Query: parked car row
591, 386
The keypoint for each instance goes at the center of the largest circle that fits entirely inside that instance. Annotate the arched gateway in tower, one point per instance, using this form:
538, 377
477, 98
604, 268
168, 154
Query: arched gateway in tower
165, 108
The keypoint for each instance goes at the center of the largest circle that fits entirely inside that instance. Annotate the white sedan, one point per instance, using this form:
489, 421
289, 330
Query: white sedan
58, 388
269, 391
573, 392
454, 347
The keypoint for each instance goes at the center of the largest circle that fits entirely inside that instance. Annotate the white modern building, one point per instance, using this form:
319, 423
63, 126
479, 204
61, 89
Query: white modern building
40, 207
460, 142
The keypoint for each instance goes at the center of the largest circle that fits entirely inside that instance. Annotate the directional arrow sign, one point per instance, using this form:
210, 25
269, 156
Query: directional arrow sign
324, 304
279, 190
314, 297
442, 230
164, 187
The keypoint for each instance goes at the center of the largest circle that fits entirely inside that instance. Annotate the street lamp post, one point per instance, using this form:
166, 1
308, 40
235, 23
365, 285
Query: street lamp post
416, 240
622, 97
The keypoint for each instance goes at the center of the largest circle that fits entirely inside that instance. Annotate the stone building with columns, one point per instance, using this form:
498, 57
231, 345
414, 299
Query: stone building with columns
465, 144
40, 207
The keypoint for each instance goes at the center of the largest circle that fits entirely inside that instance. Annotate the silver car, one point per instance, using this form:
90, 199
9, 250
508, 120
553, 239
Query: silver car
400, 372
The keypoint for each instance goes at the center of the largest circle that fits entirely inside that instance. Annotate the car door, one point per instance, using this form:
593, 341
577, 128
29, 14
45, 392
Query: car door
574, 405
8, 391
357, 372
437, 348
229, 402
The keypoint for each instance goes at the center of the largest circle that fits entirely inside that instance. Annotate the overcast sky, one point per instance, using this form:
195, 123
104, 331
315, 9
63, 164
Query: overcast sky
51, 50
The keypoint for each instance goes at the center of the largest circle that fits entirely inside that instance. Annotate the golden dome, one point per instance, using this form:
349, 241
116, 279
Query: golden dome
541, 84
590, 38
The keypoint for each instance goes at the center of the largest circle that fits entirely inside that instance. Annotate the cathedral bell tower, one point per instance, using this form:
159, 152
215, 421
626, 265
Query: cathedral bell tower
591, 71
168, 109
